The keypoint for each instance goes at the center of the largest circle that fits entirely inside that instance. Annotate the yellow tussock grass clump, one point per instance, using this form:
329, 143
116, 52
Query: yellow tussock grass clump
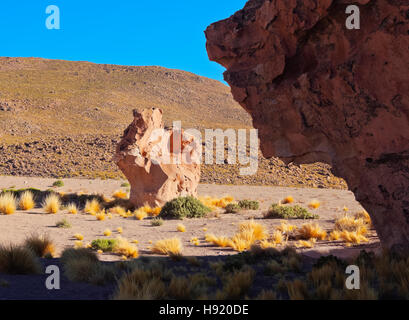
52, 204
311, 231
79, 236
264, 244
72, 208
306, 243
286, 228
120, 194
172, 247
101, 216
124, 248
334, 235
78, 244
218, 241
119, 230
352, 237
181, 228
42, 246
257, 230
140, 214
152, 212
26, 201
351, 224
107, 232
314, 204
100, 252
7, 203
288, 199
92, 207
249, 233
118, 210
364, 215
277, 237
215, 203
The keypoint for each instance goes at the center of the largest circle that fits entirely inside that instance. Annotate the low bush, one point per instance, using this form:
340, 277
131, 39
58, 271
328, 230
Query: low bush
42, 246
232, 208
184, 207
18, 260
277, 211
249, 204
58, 183
106, 245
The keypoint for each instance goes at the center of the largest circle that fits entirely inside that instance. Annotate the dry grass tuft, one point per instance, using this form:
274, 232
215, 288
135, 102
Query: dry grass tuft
140, 214
42, 246
286, 228
26, 201
8, 203
92, 207
18, 260
306, 243
237, 285
141, 285
124, 248
214, 203
107, 232
78, 244
101, 216
311, 231
314, 204
257, 230
79, 236
181, 228
120, 194
287, 200
218, 241
72, 208
365, 216
171, 247
152, 212
52, 204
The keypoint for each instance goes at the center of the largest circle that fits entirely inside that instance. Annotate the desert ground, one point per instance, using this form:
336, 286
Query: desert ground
333, 204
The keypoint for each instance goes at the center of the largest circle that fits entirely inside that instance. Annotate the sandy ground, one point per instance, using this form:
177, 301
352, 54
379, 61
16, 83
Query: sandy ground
15, 228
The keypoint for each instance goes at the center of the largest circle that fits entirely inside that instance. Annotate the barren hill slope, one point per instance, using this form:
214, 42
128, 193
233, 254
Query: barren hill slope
51, 97
63, 119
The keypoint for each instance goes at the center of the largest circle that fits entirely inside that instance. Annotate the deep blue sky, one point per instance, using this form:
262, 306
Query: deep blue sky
125, 32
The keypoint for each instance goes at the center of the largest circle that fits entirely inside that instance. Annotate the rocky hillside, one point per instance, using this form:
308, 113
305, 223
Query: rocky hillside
63, 119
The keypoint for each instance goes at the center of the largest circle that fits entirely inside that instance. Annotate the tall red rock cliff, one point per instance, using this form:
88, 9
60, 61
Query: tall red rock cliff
320, 92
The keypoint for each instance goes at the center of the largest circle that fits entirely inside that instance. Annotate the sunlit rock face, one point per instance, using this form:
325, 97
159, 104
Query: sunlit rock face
160, 164
320, 92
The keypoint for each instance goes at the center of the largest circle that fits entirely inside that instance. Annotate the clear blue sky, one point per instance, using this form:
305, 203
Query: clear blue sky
126, 32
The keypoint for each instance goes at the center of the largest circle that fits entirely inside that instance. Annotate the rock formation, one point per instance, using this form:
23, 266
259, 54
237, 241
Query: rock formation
160, 164
320, 92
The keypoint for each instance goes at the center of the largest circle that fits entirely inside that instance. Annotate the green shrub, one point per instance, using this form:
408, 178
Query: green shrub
184, 207
249, 204
64, 223
106, 245
156, 222
289, 212
58, 183
232, 208
125, 185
